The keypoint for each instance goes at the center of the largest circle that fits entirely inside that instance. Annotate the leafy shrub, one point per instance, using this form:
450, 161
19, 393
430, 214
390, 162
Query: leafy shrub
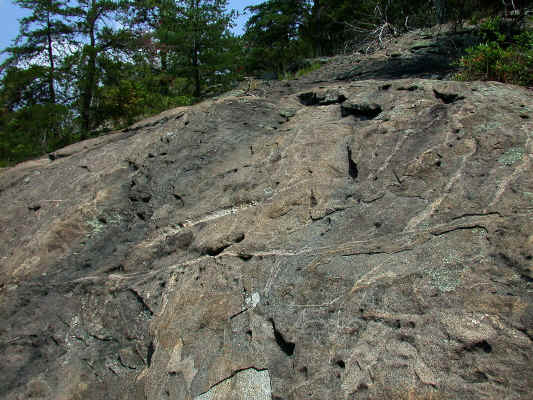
501, 56
301, 72
32, 131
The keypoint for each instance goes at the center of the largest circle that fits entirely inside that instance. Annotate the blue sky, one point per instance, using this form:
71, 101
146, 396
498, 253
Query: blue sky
9, 15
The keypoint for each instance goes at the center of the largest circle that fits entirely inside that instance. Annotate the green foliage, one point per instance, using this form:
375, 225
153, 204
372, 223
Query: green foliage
130, 99
499, 57
32, 131
190, 37
273, 34
301, 72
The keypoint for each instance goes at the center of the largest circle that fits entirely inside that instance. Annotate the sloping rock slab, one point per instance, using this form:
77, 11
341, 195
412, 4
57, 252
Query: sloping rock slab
378, 246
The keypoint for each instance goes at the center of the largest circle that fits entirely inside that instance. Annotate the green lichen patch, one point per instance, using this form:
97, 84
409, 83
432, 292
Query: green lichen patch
446, 275
511, 156
444, 278
489, 126
98, 224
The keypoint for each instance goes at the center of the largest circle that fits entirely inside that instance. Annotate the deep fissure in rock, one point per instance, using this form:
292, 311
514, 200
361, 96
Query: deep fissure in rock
447, 98
215, 251
284, 345
319, 99
362, 111
352, 166
483, 345
141, 301
150, 353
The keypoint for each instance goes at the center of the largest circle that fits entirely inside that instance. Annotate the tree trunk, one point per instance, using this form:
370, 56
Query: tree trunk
196, 72
51, 75
89, 87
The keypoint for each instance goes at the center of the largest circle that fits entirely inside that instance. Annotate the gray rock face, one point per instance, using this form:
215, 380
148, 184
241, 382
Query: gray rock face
369, 240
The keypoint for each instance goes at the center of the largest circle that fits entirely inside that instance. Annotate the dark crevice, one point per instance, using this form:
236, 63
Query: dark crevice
369, 201
245, 256
240, 237
179, 199
141, 301
237, 314
362, 111
215, 251
313, 202
366, 253
411, 88
396, 176
133, 166
285, 346
459, 228
447, 98
320, 99
35, 207
100, 338
483, 345
55, 156
352, 166
150, 353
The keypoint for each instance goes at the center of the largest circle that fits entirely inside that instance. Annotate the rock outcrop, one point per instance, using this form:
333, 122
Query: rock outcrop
347, 239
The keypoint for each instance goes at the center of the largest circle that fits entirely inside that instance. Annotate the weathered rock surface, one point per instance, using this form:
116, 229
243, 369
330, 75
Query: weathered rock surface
355, 240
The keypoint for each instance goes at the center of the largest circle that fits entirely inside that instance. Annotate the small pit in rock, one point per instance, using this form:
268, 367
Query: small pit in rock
483, 345
320, 99
447, 98
361, 111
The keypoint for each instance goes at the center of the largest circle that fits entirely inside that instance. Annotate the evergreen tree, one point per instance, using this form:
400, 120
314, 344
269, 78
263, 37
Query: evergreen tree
41, 33
30, 124
96, 35
197, 37
273, 34
187, 38
32, 91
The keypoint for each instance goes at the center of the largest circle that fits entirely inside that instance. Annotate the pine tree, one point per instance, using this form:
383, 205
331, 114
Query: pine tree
198, 37
41, 34
273, 33
96, 36
31, 87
